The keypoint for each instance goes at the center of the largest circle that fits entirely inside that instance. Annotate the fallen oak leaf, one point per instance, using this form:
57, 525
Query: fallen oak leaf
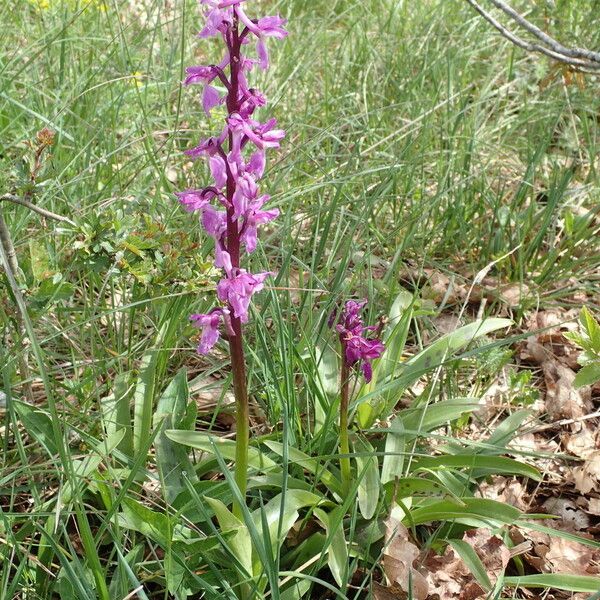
587, 477
554, 554
398, 558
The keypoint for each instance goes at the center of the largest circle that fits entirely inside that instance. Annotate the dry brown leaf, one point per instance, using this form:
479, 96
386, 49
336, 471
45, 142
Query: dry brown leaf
491, 289
553, 554
398, 558
208, 394
563, 401
490, 549
594, 506
566, 556
445, 574
587, 477
538, 444
551, 344
585, 444
581, 443
446, 323
503, 489
513, 294
450, 578
440, 288
381, 592
571, 514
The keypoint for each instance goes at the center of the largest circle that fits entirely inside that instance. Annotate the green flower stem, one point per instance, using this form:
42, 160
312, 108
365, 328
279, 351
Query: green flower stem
344, 444
242, 416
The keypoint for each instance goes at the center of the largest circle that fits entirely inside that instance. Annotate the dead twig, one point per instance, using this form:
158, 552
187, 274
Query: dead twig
580, 59
11, 267
33, 207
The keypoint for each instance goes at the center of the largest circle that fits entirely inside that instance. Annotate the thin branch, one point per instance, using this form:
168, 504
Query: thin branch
544, 37
8, 256
8, 246
8, 259
41, 211
570, 57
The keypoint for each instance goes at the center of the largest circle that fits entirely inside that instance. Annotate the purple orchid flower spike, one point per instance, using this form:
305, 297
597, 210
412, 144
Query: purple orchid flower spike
234, 166
231, 209
357, 348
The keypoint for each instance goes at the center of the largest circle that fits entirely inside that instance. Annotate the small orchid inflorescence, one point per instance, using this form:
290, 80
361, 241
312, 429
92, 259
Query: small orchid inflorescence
235, 169
232, 208
357, 349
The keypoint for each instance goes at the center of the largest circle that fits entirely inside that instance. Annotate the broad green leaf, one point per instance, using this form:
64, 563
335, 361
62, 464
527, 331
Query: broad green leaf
473, 562
426, 360
194, 509
172, 458
573, 537
443, 348
296, 590
373, 402
328, 372
240, 543
337, 549
426, 418
506, 431
367, 471
591, 327
403, 301
53, 289
417, 486
38, 425
587, 375
66, 588
39, 260
120, 584
310, 464
153, 366
106, 446
369, 409
477, 511
400, 318
143, 398
280, 518
152, 524
206, 442
479, 464
116, 413
393, 461
277, 481
175, 573
82, 470
570, 583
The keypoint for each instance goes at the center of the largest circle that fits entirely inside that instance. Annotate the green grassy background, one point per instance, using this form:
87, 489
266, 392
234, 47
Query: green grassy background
417, 139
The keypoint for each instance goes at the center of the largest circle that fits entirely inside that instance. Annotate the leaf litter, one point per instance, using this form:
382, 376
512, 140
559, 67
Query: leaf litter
562, 440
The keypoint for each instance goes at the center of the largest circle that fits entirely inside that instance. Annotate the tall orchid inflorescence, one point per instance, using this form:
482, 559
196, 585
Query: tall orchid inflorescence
357, 350
232, 208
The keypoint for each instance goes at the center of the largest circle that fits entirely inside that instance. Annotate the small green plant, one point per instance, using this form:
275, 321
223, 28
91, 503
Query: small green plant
589, 341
